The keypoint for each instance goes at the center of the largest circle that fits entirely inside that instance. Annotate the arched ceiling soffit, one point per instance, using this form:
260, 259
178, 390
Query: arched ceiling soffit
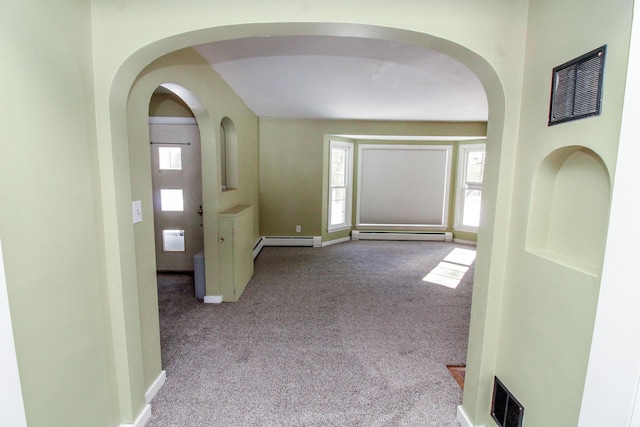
340, 71
329, 77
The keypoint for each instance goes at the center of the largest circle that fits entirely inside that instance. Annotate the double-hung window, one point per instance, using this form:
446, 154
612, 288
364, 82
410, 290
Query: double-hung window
340, 182
470, 175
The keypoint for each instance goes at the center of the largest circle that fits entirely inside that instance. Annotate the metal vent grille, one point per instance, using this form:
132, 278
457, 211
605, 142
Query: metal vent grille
576, 89
505, 409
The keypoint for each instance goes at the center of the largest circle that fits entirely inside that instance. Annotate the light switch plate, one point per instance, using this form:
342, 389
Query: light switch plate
137, 211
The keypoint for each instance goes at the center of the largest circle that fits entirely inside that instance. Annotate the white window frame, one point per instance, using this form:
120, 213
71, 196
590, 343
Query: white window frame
348, 148
441, 223
462, 184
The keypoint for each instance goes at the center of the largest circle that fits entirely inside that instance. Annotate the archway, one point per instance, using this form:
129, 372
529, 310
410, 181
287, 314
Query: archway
127, 315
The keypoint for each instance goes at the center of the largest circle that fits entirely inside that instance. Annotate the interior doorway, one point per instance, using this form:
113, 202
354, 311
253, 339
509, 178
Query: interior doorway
177, 186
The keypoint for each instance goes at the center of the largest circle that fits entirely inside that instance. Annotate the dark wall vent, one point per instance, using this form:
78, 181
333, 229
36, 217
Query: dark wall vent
576, 88
505, 409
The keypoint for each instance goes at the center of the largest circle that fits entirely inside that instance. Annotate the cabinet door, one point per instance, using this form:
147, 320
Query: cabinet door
225, 259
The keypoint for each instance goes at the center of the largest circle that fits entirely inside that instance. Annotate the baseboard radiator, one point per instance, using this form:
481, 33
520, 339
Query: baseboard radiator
436, 236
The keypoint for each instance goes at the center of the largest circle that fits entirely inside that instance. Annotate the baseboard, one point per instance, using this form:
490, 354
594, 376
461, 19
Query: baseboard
155, 387
213, 299
435, 236
289, 240
258, 247
142, 419
463, 418
464, 242
335, 242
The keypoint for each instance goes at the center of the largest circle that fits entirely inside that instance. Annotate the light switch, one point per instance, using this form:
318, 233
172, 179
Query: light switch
137, 211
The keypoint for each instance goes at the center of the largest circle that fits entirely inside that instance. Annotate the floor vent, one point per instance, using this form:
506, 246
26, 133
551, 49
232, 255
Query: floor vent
505, 408
443, 236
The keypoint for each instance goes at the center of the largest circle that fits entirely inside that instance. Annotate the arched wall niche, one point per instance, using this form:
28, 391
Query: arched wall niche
569, 208
228, 154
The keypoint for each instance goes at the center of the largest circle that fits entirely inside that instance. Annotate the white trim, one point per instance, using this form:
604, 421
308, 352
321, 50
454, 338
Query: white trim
442, 236
336, 241
317, 241
341, 228
635, 416
257, 247
288, 241
172, 120
463, 150
465, 242
142, 419
348, 148
434, 138
213, 299
448, 149
155, 387
11, 403
613, 371
463, 418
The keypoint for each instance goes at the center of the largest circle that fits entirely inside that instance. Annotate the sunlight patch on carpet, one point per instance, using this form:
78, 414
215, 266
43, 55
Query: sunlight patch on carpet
452, 269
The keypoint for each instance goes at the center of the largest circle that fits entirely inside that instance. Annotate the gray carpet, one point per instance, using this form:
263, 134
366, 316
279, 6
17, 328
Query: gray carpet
347, 335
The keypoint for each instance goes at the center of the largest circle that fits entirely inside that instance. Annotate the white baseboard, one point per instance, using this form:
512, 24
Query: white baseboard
258, 247
155, 387
213, 299
335, 242
463, 418
464, 242
142, 419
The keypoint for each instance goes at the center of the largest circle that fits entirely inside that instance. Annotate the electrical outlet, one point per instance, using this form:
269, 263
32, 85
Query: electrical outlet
298, 229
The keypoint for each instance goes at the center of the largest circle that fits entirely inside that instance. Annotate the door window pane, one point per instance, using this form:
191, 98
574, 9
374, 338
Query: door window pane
171, 200
170, 158
173, 240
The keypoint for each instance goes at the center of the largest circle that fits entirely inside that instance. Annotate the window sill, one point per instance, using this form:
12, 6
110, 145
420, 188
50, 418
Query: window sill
466, 229
339, 228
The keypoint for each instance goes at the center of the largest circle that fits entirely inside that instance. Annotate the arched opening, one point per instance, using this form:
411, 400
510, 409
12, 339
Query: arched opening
177, 182
129, 72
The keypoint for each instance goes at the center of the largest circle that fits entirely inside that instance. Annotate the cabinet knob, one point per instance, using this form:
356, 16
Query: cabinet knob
221, 239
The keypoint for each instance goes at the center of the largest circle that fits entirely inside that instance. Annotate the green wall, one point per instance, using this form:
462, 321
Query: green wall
552, 283
69, 184
212, 100
293, 159
50, 219
168, 105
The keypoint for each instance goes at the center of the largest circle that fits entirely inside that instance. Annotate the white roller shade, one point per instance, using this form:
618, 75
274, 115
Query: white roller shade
403, 185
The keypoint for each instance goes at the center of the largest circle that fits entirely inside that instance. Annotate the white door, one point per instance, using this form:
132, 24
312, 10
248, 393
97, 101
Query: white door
177, 194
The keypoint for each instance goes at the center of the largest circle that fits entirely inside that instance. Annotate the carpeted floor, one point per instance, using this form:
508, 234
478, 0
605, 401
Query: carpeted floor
346, 335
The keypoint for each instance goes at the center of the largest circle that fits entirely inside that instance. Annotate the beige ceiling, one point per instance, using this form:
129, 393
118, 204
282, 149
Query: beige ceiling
324, 77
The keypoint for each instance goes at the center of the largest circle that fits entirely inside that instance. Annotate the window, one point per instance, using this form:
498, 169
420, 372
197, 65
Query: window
170, 158
470, 175
171, 200
173, 240
403, 185
340, 172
